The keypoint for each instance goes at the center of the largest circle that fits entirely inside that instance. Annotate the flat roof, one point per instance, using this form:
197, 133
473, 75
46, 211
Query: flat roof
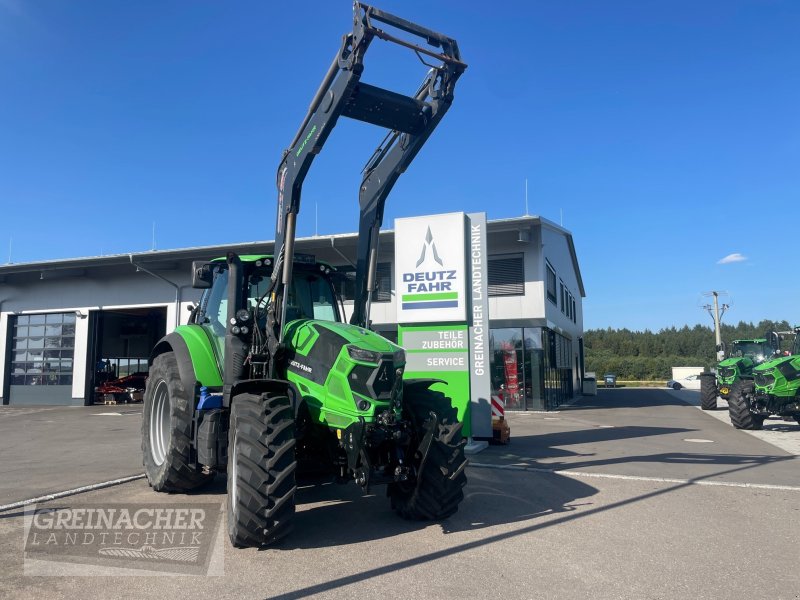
266, 246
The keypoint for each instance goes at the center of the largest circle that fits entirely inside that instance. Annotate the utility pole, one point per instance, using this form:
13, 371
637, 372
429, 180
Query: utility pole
715, 313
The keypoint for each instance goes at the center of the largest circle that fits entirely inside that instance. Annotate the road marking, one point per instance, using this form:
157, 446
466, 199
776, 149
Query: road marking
13, 411
573, 473
78, 490
698, 440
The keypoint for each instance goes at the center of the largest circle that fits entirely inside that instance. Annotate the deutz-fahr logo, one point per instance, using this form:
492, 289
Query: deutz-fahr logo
430, 285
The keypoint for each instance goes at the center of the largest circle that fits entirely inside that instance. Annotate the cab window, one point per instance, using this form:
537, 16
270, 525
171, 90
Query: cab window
310, 296
215, 302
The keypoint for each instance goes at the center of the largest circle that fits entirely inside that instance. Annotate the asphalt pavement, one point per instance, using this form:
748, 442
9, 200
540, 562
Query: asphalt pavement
633, 493
49, 449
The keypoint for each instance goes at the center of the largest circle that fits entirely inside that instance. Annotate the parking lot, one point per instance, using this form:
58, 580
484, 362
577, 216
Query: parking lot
634, 493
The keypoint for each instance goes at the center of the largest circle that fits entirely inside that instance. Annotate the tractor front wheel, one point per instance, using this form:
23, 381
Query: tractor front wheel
167, 430
261, 469
708, 391
438, 488
739, 406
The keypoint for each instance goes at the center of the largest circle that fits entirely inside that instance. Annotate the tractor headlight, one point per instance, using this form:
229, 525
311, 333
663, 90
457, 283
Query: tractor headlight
363, 355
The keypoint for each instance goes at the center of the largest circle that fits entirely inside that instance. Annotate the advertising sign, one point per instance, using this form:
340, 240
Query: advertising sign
479, 353
441, 280
440, 352
430, 270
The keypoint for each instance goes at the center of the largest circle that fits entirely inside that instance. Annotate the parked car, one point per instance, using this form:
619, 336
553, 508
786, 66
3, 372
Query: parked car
691, 382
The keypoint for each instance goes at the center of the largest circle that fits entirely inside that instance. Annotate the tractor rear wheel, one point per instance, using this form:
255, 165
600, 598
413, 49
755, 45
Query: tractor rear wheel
438, 488
708, 391
739, 406
167, 430
261, 469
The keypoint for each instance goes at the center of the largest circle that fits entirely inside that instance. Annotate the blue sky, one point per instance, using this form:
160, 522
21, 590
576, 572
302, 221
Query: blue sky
666, 132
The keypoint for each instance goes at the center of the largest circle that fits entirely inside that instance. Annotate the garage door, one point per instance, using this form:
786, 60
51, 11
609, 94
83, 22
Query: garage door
42, 353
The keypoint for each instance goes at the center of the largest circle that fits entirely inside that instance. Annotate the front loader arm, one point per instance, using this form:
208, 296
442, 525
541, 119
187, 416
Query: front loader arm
389, 161
410, 121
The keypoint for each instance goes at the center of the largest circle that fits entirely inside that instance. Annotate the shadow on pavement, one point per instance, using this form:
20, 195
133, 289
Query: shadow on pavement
340, 515
549, 444
571, 514
626, 398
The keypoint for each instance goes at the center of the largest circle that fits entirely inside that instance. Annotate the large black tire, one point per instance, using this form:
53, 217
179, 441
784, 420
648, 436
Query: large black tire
167, 430
739, 406
442, 478
708, 391
261, 469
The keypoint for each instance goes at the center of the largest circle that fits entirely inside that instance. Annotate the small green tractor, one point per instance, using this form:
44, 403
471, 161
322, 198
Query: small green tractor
772, 389
743, 357
268, 378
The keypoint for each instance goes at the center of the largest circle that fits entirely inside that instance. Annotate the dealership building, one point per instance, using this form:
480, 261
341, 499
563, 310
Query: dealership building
68, 325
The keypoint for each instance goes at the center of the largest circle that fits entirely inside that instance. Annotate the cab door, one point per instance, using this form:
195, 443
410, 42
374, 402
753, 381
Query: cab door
213, 315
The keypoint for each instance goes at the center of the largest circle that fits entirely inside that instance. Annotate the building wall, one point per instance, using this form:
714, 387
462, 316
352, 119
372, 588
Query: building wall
555, 250
85, 294
123, 287
503, 310
3, 345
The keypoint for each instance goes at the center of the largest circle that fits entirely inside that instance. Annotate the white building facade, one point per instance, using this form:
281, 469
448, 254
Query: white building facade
67, 326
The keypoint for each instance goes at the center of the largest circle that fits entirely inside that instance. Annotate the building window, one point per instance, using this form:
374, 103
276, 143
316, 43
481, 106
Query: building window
563, 296
574, 317
551, 283
506, 276
383, 279
531, 368
42, 349
346, 283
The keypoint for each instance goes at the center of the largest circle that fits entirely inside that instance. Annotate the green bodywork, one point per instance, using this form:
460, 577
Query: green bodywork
744, 356
331, 402
334, 403
777, 383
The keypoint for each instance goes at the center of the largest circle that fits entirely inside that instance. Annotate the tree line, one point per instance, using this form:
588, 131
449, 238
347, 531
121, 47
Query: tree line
647, 355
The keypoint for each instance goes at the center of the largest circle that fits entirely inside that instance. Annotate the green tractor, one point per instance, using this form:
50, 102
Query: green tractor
267, 378
743, 357
772, 389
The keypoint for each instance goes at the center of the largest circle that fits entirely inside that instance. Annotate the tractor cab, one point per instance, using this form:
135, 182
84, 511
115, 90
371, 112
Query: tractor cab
757, 350
312, 294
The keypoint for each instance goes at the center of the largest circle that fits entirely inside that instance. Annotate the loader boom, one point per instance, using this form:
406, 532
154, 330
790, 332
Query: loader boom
410, 121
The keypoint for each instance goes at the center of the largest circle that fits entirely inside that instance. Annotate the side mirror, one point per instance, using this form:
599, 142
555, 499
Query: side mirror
721, 347
202, 274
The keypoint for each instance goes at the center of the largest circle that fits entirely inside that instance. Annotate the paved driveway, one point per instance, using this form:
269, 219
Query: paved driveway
632, 494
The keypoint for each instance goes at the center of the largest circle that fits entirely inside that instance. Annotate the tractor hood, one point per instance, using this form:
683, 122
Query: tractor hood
301, 332
743, 362
782, 363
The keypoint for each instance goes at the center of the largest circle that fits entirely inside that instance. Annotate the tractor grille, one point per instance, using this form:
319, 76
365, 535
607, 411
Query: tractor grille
374, 382
384, 380
764, 380
727, 372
